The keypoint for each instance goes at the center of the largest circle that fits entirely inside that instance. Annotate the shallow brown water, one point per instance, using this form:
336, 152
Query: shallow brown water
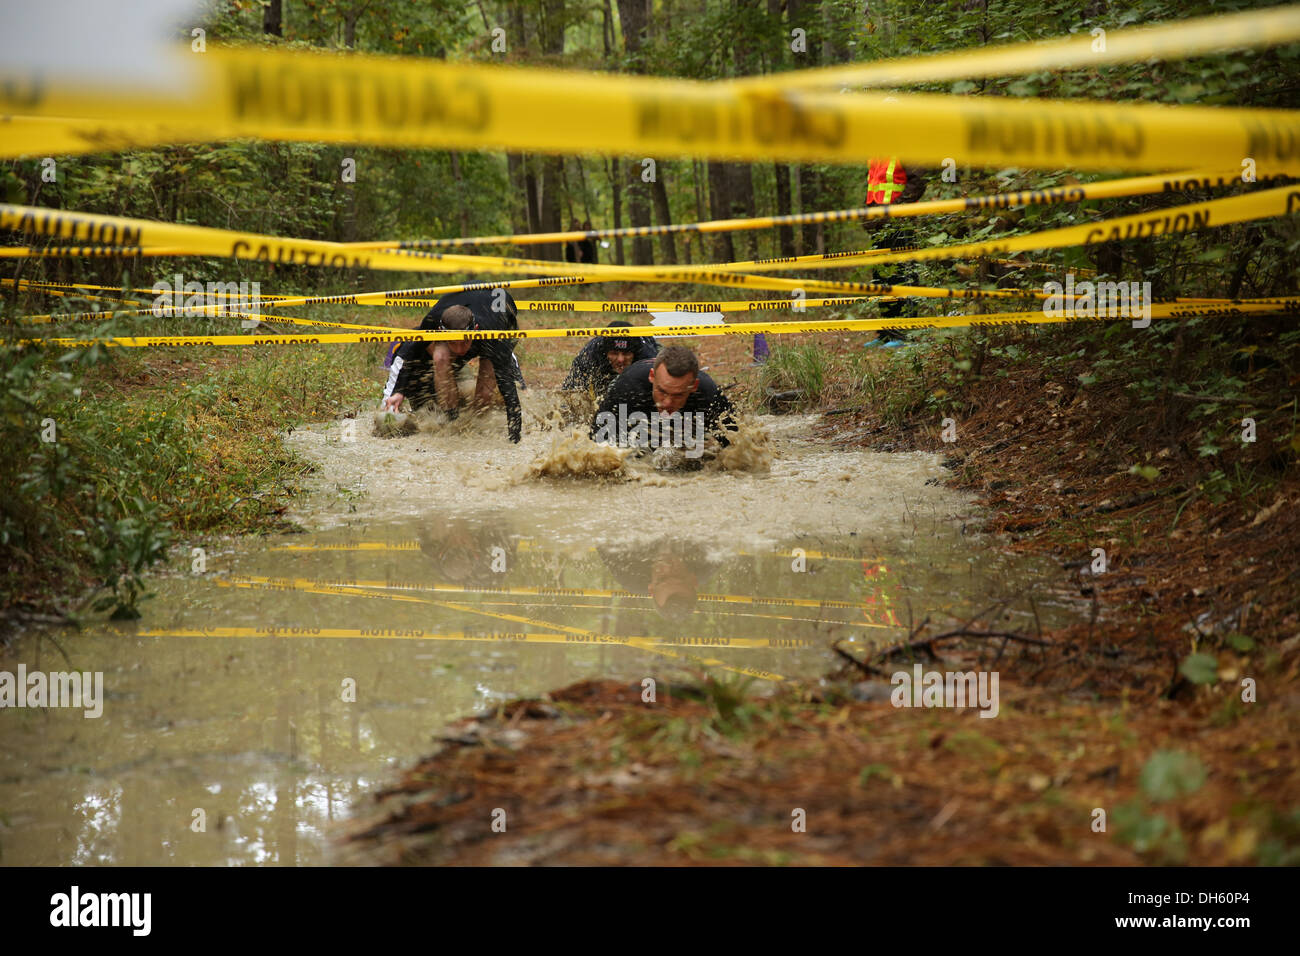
441, 578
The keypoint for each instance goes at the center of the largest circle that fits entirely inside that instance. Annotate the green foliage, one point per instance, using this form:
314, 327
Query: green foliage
1169, 774
731, 710
1200, 668
802, 367
1149, 833
132, 467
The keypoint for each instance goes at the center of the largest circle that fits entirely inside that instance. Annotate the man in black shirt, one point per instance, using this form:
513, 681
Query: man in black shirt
663, 401
606, 357
426, 371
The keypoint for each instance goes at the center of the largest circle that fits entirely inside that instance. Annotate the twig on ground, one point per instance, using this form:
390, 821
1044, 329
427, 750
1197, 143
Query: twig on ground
861, 665
927, 645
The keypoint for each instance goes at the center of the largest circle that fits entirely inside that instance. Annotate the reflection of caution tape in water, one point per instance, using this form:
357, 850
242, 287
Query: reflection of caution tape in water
579, 635
530, 591
325, 97
419, 634
530, 544
1159, 310
1188, 217
523, 546
799, 642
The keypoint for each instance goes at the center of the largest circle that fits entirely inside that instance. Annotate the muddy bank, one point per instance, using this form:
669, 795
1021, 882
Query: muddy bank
1193, 559
596, 775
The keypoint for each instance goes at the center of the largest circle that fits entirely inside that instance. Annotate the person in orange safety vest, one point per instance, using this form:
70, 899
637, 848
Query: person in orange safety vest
886, 180
888, 183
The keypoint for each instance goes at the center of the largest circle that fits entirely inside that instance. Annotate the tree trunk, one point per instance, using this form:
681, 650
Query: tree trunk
785, 234
530, 192
807, 14
273, 19
582, 184
518, 192
701, 207
814, 238
350, 26
616, 190
723, 249
459, 180
632, 16
638, 214
663, 213
742, 202
548, 208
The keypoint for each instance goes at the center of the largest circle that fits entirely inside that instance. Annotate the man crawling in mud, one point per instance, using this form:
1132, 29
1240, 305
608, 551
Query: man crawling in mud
606, 357
425, 372
665, 402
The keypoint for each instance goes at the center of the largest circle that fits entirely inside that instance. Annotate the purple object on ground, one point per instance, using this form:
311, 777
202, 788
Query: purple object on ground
760, 348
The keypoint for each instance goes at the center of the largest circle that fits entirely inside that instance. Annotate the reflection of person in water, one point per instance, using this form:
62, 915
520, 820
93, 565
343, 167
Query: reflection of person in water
467, 552
878, 583
669, 571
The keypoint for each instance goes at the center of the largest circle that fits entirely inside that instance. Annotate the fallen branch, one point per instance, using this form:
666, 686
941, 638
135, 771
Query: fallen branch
1215, 398
861, 665
927, 645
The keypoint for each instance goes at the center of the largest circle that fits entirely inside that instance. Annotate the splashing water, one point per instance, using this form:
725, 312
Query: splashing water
575, 455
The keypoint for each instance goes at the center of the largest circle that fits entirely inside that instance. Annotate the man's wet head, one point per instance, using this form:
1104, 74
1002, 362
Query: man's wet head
620, 351
674, 378
457, 317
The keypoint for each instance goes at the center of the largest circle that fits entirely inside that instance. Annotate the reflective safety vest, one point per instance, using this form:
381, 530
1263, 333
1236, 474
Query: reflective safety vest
879, 608
885, 180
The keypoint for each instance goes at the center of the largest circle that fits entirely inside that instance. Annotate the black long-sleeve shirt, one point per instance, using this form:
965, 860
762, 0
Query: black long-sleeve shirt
591, 368
413, 363
633, 389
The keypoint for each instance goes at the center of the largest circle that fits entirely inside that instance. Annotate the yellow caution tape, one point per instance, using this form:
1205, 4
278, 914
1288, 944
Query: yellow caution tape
1078, 192
1159, 310
88, 252
45, 285
1166, 41
1106, 189
744, 305
213, 311
64, 136
1191, 216
326, 97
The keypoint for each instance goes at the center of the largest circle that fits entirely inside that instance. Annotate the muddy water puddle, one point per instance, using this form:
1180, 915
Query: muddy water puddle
266, 697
